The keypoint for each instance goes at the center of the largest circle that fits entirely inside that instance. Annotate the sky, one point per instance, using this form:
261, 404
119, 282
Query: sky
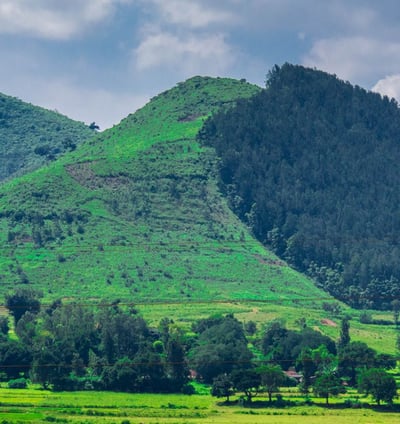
99, 60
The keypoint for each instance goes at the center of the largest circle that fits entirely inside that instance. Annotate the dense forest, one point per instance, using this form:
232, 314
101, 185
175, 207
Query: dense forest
75, 347
311, 164
31, 136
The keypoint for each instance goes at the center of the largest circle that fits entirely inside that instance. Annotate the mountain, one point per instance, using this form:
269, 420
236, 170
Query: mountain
31, 137
311, 164
135, 213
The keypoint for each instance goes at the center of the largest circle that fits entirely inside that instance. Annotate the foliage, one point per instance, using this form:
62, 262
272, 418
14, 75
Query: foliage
31, 137
222, 387
247, 381
327, 384
353, 356
378, 383
285, 346
4, 327
220, 349
272, 378
69, 347
310, 164
344, 338
18, 383
21, 301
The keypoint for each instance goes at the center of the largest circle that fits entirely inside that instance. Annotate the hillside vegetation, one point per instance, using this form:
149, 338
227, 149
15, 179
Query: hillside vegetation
311, 165
136, 214
31, 137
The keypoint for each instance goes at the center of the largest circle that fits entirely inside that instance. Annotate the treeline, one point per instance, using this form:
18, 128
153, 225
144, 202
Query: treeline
72, 347
311, 164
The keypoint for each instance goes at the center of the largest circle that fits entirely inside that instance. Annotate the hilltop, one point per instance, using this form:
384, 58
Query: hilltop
311, 165
31, 137
135, 213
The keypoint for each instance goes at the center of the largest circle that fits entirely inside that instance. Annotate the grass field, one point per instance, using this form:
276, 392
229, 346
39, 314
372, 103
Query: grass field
38, 406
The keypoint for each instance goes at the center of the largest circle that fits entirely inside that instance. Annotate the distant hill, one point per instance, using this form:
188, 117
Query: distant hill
31, 137
311, 164
135, 213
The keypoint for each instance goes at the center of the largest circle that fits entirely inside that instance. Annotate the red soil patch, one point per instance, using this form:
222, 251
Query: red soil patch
328, 322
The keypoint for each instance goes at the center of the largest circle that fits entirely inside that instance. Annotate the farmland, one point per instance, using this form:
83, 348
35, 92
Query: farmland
39, 406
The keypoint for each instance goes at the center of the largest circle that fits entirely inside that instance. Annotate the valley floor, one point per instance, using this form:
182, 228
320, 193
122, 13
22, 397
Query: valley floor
40, 406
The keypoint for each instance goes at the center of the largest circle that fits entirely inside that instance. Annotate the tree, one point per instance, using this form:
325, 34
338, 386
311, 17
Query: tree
15, 358
272, 377
221, 348
308, 368
377, 383
396, 311
21, 301
177, 368
246, 381
398, 342
222, 387
4, 327
355, 355
328, 384
323, 359
344, 338
94, 126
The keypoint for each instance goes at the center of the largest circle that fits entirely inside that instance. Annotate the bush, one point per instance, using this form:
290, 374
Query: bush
188, 389
18, 383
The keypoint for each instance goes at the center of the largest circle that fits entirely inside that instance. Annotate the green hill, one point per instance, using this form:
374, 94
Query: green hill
135, 213
311, 165
31, 137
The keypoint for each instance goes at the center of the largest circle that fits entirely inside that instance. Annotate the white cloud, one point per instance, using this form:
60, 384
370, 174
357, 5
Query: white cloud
389, 86
85, 104
104, 107
189, 13
186, 54
355, 57
53, 19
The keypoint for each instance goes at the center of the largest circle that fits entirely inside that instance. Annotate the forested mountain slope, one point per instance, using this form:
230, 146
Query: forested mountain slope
312, 165
31, 137
136, 214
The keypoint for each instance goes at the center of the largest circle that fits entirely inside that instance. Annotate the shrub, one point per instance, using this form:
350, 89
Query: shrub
188, 389
18, 383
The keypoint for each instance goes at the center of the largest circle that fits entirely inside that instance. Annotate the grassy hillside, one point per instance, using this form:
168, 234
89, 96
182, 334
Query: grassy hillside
31, 137
136, 214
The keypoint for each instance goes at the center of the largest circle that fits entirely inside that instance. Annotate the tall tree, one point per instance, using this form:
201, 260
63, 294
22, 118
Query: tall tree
272, 377
328, 384
344, 338
353, 356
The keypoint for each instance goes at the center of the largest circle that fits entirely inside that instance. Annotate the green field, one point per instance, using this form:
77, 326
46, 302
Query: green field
38, 406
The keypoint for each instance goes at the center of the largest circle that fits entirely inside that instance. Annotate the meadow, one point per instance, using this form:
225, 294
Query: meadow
39, 406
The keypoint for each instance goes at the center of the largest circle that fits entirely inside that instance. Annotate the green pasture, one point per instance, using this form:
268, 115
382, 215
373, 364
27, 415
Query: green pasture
38, 406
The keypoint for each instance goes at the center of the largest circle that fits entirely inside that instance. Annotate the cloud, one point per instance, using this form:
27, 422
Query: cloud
389, 86
53, 19
354, 58
186, 54
190, 13
104, 107
82, 103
